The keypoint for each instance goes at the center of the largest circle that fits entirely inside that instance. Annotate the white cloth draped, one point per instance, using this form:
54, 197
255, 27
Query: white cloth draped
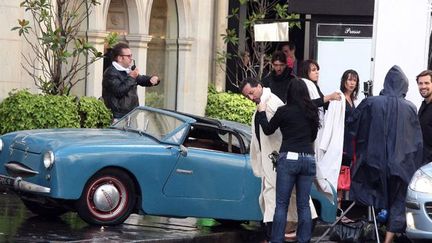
328, 145
314, 94
331, 144
260, 162
263, 167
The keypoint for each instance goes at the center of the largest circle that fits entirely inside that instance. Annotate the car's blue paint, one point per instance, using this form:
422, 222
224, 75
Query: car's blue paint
198, 183
151, 165
192, 168
221, 186
328, 207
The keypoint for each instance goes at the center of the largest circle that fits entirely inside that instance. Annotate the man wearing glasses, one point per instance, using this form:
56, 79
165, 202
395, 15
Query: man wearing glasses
120, 80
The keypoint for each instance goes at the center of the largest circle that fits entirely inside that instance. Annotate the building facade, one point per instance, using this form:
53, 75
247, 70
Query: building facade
174, 39
178, 40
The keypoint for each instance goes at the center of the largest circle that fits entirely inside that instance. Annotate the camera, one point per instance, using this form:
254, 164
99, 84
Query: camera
367, 88
274, 157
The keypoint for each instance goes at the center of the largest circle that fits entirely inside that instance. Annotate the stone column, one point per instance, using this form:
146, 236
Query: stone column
93, 86
183, 83
220, 25
171, 70
138, 44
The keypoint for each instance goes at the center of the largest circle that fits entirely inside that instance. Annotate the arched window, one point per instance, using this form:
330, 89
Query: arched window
162, 50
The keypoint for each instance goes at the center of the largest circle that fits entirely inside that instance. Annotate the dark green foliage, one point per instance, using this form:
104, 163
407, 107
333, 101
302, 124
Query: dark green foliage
229, 106
23, 110
93, 113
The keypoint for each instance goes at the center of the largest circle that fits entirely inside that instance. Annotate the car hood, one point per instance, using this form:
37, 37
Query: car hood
427, 169
36, 140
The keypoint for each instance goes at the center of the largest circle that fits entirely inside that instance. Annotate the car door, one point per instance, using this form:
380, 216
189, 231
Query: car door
212, 169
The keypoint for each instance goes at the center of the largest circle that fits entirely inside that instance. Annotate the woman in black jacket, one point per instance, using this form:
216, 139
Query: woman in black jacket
309, 70
298, 121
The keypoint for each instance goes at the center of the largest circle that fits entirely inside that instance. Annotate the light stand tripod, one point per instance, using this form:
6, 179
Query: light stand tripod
371, 216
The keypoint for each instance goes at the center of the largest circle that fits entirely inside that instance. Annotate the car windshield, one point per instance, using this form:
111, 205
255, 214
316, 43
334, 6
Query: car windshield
158, 125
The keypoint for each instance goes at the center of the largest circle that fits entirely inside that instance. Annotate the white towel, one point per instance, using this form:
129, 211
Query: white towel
331, 144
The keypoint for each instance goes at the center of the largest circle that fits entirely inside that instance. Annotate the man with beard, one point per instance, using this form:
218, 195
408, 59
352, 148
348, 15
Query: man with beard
424, 83
279, 77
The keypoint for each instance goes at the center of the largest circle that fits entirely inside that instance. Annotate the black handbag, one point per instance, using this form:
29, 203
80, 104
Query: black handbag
348, 232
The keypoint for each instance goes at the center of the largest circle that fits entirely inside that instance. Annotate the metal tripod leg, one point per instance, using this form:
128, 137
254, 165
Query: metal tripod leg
335, 222
375, 224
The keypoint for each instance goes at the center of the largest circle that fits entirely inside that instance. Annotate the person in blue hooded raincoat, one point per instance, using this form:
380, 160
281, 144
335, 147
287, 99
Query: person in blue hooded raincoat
388, 142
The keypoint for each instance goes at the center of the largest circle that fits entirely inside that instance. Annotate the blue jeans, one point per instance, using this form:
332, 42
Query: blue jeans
300, 173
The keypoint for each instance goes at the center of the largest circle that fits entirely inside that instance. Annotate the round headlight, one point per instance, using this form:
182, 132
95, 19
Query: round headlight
48, 159
1, 145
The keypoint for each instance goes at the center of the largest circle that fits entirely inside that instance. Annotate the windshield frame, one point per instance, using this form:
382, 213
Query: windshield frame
171, 137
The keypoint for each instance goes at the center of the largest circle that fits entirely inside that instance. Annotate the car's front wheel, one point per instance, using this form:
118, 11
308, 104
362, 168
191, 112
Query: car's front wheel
108, 198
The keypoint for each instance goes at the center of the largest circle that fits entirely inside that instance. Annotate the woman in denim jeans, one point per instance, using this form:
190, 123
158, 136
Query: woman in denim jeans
298, 121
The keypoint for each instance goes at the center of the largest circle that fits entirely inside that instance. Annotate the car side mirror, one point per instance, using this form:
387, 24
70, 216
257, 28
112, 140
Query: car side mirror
183, 150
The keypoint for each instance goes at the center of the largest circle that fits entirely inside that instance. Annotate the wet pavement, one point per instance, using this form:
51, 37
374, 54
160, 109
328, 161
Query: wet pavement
17, 224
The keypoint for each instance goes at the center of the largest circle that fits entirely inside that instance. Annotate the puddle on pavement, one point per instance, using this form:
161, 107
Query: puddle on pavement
17, 224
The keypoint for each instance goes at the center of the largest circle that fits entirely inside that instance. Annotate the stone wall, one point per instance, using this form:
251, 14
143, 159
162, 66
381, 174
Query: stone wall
190, 49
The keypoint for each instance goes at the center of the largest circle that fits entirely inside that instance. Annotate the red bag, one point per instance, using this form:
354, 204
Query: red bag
344, 180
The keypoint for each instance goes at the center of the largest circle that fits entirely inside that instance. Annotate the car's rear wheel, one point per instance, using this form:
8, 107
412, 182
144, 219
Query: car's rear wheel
108, 198
43, 209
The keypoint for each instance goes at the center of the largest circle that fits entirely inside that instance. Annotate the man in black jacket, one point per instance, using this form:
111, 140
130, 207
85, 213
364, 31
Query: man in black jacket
279, 77
120, 80
424, 83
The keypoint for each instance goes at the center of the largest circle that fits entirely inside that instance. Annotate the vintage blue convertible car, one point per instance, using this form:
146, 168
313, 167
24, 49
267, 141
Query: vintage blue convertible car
152, 161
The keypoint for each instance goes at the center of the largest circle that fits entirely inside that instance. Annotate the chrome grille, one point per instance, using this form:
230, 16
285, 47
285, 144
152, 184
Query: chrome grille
428, 207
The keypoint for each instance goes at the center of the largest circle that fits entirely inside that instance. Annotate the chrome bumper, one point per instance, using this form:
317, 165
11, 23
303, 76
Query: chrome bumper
18, 184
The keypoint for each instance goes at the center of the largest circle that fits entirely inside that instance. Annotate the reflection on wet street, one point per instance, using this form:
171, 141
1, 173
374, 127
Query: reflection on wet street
17, 224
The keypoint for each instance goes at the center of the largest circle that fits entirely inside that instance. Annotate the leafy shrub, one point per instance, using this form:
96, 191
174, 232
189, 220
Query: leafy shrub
23, 110
229, 106
93, 113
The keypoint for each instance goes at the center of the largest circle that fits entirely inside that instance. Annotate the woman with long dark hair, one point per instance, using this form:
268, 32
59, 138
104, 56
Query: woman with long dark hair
349, 86
299, 122
309, 71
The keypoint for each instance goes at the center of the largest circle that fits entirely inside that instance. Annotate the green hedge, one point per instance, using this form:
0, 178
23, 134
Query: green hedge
23, 110
93, 113
229, 106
